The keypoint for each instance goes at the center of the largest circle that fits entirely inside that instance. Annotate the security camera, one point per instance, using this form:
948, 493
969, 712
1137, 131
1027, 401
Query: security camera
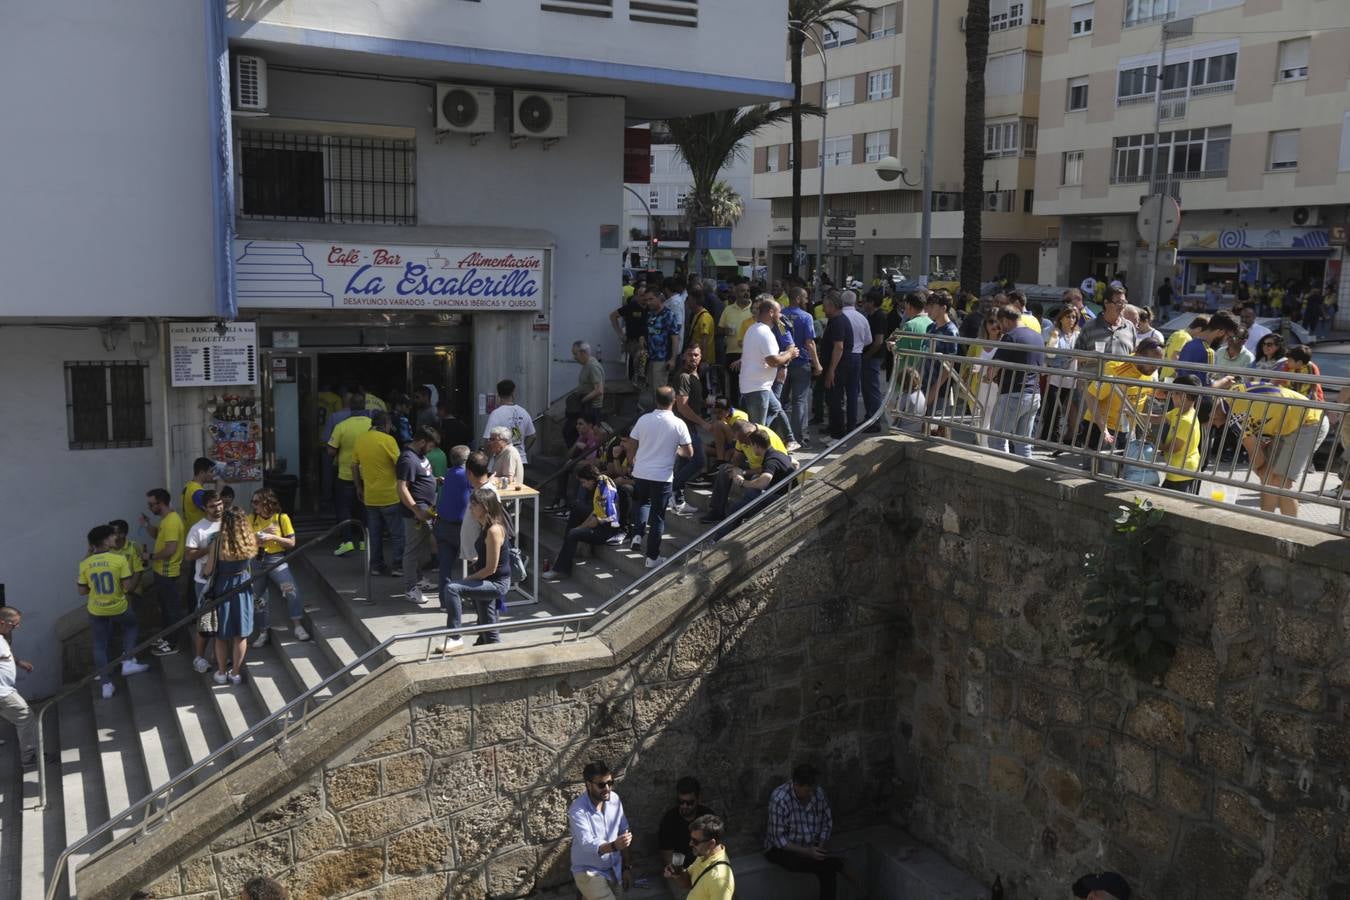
889, 168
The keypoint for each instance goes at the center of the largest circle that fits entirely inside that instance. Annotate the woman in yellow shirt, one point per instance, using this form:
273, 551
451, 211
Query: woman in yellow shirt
276, 536
1182, 449
1280, 438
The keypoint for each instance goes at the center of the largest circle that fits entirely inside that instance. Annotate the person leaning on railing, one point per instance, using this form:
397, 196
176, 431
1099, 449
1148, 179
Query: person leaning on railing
1280, 438
1104, 412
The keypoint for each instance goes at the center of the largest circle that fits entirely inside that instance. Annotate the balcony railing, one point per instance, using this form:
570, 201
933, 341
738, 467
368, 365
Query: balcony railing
1135, 21
1141, 177
1219, 87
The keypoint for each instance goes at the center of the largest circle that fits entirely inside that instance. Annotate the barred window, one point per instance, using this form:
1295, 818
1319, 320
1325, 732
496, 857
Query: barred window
107, 405
327, 178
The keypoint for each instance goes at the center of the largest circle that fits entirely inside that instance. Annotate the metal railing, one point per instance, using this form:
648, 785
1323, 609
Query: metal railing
152, 812
170, 631
1110, 420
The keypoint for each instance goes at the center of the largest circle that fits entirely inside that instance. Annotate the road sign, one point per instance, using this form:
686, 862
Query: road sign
846, 221
1159, 218
845, 245
842, 232
842, 212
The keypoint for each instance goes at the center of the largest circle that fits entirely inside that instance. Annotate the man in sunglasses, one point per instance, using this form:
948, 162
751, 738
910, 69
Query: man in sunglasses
674, 836
709, 877
600, 836
1110, 332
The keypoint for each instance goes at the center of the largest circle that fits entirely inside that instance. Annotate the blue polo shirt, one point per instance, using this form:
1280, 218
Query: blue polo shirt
802, 328
1196, 351
454, 501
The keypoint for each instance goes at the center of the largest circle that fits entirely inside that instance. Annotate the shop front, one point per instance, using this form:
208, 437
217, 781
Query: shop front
1292, 258
334, 317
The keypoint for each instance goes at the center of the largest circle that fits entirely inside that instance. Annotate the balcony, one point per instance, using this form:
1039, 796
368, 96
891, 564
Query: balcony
1141, 177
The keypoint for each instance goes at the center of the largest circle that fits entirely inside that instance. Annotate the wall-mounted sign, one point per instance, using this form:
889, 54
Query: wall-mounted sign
201, 354
328, 275
286, 340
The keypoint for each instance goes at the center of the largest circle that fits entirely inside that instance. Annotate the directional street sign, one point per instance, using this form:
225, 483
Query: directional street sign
842, 212
845, 221
842, 232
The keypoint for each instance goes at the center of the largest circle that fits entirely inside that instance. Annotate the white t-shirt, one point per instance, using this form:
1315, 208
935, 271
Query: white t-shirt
8, 671
1254, 335
198, 536
675, 303
517, 418
862, 331
759, 342
658, 434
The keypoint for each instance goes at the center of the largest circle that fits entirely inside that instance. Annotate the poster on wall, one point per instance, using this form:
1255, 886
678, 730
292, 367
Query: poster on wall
329, 275
202, 354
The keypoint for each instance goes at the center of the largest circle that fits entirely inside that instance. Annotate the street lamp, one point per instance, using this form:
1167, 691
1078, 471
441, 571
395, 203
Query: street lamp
796, 25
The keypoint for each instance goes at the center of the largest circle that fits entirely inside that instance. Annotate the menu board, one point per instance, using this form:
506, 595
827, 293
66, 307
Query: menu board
203, 354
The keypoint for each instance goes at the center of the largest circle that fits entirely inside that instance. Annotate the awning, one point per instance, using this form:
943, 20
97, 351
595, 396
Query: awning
1251, 253
722, 258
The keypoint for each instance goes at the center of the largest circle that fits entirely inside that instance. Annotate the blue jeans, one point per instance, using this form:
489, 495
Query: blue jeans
486, 595
378, 518
447, 558
871, 385
686, 469
798, 391
1015, 413
598, 535
852, 366
650, 499
756, 405
278, 580
101, 630
348, 507
776, 413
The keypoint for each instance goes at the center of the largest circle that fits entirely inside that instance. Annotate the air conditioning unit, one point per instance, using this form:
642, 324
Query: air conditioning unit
465, 109
993, 201
538, 115
944, 202
1304, 215
250, 83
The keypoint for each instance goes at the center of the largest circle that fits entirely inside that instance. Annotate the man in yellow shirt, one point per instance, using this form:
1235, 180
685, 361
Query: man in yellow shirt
702, 332
374, 473
709, 876
1105, 407
105, 578
729, 327
135, 556
341, 444
202, 469
166, 562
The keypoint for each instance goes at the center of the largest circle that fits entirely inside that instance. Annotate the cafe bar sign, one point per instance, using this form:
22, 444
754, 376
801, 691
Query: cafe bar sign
333, 275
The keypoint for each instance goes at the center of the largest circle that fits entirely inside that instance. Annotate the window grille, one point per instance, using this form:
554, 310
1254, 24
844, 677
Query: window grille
664, 12
107, 405
602, 9
322, 178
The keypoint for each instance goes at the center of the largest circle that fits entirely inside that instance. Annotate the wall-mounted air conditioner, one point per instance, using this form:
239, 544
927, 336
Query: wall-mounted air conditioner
538, 115
249, 83
466, 109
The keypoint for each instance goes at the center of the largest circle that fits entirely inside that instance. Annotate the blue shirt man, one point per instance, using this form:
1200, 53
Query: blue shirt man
802, 327
600, 835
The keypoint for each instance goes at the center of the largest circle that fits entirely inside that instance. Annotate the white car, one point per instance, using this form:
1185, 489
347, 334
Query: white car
1297, 331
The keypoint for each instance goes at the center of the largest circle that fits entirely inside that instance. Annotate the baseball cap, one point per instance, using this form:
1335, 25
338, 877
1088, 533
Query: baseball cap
1112, 882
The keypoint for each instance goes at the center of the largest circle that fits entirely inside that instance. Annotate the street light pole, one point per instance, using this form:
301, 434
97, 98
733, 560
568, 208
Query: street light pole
926, 232
820, 155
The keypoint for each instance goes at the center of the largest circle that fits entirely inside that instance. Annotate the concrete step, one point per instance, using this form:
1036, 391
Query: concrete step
43, 833
124, 778
199, 725
84, 805
237, 708
11, 815
268, 679
162, 750
333, 633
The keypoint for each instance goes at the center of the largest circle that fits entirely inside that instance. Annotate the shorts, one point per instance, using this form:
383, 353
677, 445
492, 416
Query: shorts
1294, 451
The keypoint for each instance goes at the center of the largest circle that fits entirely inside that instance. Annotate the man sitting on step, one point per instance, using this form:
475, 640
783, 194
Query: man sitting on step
764, 466
600, 527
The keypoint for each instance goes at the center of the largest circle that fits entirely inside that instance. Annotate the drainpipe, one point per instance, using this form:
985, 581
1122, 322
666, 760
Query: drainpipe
222, 160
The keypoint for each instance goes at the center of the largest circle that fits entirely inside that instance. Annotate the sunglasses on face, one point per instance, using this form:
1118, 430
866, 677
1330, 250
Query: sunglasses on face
604, 785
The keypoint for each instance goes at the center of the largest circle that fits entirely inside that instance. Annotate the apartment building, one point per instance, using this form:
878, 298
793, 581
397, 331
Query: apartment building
656, 207
1253, 138
873, 83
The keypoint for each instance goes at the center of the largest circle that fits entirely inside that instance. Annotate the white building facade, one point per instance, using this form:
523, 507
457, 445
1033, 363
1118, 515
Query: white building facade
387, 194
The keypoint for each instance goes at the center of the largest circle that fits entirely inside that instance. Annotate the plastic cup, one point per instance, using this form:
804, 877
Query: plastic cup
1218, 494
677, 860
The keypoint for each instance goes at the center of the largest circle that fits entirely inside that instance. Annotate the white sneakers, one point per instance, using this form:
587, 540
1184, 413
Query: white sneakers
635, 543
131, 667
683, 508
451, 645
653, 563
201, 664
415, 596
262, 640
108, 690
300, 633
551, 575
219, 677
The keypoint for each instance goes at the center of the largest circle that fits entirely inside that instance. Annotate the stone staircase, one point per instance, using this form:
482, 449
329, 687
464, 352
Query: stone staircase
161, 723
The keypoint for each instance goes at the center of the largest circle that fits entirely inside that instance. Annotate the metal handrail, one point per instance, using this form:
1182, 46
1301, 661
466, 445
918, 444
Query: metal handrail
303, 701
196, 613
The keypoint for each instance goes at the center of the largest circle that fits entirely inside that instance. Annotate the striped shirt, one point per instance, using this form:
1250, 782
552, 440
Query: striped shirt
790, 822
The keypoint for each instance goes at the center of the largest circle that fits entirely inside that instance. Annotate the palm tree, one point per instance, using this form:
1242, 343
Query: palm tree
802, 15
972, 198
708, 142
727, 207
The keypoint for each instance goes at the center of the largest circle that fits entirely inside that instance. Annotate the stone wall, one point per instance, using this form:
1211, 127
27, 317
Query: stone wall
1229, 779
453, 778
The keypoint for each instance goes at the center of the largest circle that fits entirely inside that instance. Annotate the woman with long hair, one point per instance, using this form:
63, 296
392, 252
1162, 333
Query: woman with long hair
490, 579
1270, 352
227, 568
276, 536
986, 392
1059, 389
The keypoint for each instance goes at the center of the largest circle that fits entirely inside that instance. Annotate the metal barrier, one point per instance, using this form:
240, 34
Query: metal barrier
1110, 417
146, 806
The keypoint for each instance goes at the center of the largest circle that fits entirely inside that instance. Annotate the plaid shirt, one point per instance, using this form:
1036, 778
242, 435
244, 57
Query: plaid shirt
792, 823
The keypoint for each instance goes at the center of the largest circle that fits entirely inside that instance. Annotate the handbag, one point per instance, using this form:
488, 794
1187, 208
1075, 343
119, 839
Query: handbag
1143, 451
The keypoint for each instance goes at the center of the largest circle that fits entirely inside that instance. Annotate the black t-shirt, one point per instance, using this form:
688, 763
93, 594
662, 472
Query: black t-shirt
837, 331
692, 387
778, 464
634, 318
674, 832
876, 320
1023, 347
416, 470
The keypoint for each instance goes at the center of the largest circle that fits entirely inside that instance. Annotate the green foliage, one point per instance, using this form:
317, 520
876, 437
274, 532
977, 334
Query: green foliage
1126, 617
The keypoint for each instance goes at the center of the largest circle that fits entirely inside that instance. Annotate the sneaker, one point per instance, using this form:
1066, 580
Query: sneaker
300, 633
219, 677
614, 540
236, 679
415, 596
684, 508
163, 648
262, 640
396, 572
793, 446
379, 570
344, 548
131, 667
201, 665
635, 543
108, 690
653, 563
450, 645
563, 513
551, 575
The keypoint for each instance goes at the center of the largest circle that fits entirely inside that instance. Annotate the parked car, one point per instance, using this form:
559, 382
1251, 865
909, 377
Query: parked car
1297, 333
